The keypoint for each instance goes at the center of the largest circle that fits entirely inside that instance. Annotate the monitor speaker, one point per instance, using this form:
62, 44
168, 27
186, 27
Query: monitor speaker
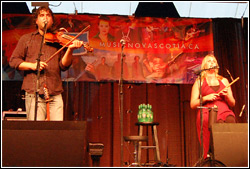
15, 115
231, 143
44, 144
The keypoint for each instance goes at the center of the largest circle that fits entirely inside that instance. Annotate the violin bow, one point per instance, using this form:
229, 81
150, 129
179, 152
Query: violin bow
67, 43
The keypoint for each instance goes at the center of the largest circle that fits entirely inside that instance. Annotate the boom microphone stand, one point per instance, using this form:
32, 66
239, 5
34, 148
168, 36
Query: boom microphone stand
121, 99
38, 70
201, 161
201, 119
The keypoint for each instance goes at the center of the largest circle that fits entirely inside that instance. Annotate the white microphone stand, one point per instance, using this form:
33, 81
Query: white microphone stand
121, 99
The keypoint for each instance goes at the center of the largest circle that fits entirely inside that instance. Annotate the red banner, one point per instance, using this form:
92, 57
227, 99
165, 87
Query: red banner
156, 50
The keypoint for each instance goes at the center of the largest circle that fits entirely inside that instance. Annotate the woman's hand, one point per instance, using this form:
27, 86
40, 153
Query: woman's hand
211, 97
224, 92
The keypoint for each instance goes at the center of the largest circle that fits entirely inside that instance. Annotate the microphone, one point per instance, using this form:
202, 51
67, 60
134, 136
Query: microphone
199, 71
45, 27
214, 67
122, 41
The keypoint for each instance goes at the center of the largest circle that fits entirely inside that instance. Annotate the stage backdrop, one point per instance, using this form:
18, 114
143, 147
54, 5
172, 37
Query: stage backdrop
156, 50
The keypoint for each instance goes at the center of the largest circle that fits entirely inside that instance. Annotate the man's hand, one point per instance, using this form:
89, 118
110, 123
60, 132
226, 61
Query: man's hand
43, 65
76, 44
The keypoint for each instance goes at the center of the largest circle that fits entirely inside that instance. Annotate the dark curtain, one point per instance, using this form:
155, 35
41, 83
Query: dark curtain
98, 104
230, 47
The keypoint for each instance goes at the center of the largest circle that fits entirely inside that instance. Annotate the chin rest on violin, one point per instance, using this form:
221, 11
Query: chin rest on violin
63, 39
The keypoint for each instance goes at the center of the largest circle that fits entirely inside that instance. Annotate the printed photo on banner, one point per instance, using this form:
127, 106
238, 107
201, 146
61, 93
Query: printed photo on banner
156, 50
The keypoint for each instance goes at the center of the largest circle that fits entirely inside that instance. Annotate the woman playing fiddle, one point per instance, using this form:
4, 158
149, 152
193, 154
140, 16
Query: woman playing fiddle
25, 57
214, 92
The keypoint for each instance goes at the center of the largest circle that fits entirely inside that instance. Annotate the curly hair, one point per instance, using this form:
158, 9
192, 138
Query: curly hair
43, 8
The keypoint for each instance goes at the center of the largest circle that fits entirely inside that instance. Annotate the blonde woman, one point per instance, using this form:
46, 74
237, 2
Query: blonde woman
211, 84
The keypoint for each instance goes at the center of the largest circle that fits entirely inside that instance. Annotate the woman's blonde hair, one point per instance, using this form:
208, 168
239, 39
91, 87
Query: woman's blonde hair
203, 64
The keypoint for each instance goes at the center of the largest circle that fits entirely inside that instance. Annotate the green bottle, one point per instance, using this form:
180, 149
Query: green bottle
148, 113
144, 113
151, 114
139, 115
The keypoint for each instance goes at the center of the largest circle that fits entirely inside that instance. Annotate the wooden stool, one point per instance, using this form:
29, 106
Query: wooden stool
135, 140
96, 151
155, 145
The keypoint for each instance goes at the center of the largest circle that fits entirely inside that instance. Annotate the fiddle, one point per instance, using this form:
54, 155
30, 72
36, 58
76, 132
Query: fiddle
68, 42
64, 39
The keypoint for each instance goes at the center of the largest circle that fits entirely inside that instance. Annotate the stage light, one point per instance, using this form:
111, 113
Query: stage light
35, 4
39, 4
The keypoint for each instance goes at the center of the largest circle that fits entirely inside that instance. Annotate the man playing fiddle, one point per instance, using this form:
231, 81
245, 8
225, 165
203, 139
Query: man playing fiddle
25, 57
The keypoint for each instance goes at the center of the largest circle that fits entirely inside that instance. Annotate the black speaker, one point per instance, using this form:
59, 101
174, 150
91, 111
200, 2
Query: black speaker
15, 115
231, 143
44, 143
